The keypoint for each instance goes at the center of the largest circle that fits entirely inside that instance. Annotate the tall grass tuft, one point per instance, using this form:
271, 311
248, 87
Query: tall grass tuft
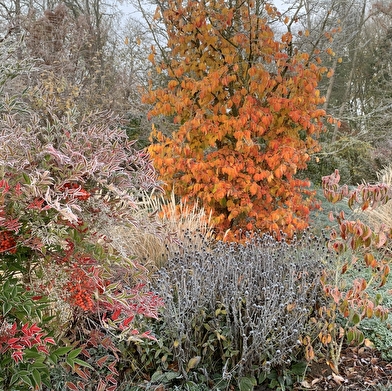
180, 220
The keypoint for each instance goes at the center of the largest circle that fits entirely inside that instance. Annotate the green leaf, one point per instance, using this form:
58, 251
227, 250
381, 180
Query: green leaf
27, 380
63, 350
350, 336
15, 377
247, 383
74, 353
299, 368
26, 178
70, 362
157, 377
262, 377
53, 358
14, 291
356, 319
6, 308
171, 375
82, 363
36, 377
30, 353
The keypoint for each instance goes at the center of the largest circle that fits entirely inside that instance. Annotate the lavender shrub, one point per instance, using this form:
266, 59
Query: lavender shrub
239, 309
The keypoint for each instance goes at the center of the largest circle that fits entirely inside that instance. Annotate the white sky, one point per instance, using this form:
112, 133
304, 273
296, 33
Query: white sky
129, 10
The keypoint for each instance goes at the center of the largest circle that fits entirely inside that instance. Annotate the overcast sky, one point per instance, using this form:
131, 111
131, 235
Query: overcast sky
129, 10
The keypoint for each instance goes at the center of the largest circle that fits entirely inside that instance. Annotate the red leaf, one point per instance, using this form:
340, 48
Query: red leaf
71, 386
17, 355
50, 340
43, 349
83, 374
116, 314
102, 360
127, 321
110, 378
112, 368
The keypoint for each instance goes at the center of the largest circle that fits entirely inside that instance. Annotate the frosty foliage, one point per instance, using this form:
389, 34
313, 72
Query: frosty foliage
243, 305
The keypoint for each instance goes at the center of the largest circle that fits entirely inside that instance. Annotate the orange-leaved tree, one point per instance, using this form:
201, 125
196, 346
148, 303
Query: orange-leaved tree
246, 109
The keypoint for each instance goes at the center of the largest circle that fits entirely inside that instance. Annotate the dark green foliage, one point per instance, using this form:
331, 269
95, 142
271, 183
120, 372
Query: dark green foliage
234, 313
352, 156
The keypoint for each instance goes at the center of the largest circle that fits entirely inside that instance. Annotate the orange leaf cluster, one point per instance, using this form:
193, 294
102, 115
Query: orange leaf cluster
247, 109
7, 242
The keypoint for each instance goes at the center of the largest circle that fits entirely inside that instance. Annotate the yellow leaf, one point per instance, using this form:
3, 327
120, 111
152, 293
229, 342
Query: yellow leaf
368, 343
193, 362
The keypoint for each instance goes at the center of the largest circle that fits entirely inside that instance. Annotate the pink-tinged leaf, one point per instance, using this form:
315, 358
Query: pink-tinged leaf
12, 225
37, 339
17, 346
18, 190
50, 340
336, 294
382, 238
331, 216
17, 356
43, 349
71, 386
86, 353
111, 388
147, 334
106, 342
81, 385
4, 185
13, 329
27, 342
11, 341
34, 329
367, 233
25, 329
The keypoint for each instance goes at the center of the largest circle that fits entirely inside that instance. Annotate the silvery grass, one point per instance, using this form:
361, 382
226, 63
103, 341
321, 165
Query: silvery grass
239, 309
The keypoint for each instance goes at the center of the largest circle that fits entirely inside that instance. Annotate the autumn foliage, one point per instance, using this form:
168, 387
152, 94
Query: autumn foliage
246, 109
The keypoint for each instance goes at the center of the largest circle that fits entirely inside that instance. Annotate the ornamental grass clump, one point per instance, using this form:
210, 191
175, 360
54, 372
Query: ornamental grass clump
238, 310
178, 219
